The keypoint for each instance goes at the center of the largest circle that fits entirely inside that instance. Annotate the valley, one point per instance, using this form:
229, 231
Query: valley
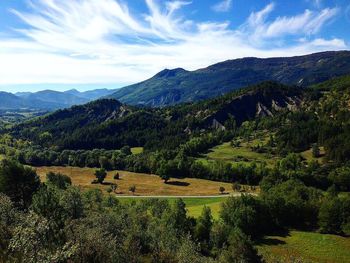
266, 165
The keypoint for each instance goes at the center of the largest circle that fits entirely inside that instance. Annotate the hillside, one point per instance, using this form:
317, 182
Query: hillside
109, 124
170, 87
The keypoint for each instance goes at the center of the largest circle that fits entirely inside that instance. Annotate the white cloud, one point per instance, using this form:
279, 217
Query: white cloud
307, 23
92, 42
223, 6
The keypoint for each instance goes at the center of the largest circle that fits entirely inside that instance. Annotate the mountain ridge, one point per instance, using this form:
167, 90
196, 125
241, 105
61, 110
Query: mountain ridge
170, 87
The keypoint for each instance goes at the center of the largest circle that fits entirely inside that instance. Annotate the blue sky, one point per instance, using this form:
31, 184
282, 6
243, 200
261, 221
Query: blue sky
86, 44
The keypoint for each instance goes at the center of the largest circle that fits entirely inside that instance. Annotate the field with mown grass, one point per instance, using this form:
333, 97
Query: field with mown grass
146, 185
306, 247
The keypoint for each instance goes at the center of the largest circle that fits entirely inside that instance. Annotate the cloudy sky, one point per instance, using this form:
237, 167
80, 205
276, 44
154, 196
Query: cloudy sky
86, 44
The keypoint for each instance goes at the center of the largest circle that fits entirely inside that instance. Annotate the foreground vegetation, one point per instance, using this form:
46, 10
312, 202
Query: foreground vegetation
194, 205
53, 221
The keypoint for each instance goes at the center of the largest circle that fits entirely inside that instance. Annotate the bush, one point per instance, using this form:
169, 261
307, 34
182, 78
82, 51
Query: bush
61, 181
18, 182
100, 175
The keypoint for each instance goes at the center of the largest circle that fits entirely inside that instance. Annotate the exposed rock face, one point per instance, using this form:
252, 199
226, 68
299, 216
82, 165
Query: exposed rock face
217, 125
257, 103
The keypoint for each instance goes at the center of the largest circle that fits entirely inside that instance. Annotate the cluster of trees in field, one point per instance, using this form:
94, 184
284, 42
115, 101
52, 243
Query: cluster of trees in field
57, 222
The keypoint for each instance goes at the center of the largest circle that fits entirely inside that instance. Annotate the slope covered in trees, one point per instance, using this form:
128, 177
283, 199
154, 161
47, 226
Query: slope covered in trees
109, 124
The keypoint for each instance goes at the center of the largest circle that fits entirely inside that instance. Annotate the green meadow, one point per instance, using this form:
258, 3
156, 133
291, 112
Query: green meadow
306, 247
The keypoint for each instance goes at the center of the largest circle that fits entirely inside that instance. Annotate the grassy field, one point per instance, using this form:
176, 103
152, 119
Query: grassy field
305, 247
146, 185
137, 150
243, 153
307, 155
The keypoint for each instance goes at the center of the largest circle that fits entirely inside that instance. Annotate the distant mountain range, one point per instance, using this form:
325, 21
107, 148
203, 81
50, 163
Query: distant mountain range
49, 99
170, 87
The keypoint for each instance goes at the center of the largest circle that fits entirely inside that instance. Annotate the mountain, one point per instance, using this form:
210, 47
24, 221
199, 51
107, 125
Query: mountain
110, 124
50, 99
11, 101
170, 87
90, 94
50, 96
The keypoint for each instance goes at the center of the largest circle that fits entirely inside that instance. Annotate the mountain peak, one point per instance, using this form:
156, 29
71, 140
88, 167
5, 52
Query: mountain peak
72, 91
175, 86
167, 73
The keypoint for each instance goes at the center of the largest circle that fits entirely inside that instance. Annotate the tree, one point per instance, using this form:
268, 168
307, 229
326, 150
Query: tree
222, 189
240, 249
165, 177
18, 182
245, 213
58, 180
31, 240
166, 170
116, 176
236, 187
188, 252
334, 215
100, 175
132, 189
126, 150
46, 203
204, 225
104, 162
9, 216
341, 178
72, 203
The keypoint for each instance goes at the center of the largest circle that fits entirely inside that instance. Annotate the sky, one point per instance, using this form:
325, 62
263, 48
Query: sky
88, 44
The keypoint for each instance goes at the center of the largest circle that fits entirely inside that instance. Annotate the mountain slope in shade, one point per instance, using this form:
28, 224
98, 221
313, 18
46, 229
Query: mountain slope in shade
170, 87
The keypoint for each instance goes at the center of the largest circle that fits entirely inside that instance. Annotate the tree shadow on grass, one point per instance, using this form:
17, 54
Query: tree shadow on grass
107, 183
178, 183
269, 241
272, 239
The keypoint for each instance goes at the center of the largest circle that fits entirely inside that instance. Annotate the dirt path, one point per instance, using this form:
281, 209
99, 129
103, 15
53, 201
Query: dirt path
184, 196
